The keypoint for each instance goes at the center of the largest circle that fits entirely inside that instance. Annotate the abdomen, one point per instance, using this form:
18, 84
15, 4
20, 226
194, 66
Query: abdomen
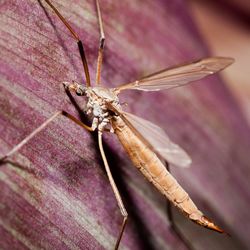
154, 170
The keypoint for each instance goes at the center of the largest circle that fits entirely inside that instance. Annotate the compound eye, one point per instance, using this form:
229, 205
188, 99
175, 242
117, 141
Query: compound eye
80, 92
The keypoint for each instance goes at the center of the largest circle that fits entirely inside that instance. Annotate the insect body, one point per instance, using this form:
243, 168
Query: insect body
145, 143
141, 140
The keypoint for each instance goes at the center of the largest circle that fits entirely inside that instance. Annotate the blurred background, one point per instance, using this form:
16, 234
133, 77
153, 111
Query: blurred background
225, 27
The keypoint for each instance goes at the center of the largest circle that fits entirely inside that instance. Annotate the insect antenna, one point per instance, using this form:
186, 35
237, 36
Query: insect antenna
79, 42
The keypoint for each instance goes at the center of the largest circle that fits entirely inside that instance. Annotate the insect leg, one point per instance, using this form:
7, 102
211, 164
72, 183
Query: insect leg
115, 190
40, 128
101, 46
79, 42
75, 120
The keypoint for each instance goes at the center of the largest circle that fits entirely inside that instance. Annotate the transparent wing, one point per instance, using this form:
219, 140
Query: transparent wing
158, 139
180, 75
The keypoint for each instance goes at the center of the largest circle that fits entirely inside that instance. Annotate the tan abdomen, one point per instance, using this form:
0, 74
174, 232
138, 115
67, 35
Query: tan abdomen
154, 170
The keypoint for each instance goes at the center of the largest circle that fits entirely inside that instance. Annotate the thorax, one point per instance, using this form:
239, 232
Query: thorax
98, 101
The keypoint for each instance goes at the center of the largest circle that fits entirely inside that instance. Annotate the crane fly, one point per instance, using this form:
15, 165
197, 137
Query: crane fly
146, 143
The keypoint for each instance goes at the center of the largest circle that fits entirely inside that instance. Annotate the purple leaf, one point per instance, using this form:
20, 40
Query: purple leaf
54, 193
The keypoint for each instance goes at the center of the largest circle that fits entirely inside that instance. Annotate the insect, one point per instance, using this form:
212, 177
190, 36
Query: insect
144, 142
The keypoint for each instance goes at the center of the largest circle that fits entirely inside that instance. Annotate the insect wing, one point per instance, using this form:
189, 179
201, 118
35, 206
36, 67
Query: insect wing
180, 75
158, 139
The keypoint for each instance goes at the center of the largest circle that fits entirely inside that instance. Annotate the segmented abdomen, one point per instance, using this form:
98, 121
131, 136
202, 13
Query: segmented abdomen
153, 169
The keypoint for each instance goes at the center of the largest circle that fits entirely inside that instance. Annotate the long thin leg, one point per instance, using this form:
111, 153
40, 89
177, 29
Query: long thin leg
40, 128
79, 42
115, 190
101, 46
